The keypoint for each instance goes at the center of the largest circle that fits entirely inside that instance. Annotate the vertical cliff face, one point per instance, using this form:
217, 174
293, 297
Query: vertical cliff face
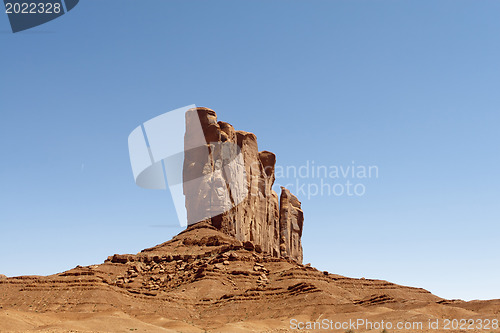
228, 182
291, 222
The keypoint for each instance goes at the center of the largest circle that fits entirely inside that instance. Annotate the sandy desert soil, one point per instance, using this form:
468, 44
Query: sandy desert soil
205, 281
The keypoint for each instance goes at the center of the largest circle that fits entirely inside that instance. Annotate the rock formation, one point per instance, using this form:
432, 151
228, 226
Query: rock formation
228, 182
238, 270
291, 220
203, 280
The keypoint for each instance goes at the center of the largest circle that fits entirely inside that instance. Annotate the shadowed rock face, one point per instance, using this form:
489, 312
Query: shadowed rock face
228, 183
291, 221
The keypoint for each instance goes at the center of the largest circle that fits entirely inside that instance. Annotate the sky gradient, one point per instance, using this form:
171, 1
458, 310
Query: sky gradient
408, 86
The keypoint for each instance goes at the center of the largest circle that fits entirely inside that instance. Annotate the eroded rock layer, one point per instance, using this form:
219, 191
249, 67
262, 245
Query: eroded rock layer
228, 182
211, 281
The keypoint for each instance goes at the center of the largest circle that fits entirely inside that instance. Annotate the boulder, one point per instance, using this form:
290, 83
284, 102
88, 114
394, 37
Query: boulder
122, 258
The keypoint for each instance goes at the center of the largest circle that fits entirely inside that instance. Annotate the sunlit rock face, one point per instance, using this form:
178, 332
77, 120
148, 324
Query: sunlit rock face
228, 182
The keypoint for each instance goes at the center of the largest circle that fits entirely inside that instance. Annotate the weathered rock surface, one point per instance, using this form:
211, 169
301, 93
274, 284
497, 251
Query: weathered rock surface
228, 182
204, 280
291, 222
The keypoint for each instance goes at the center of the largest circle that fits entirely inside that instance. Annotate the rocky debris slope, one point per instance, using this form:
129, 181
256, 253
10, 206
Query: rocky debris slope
207, 279
228, 182
201, 275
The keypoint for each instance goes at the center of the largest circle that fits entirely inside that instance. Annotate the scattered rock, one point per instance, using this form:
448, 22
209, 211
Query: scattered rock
120, 258
248, 246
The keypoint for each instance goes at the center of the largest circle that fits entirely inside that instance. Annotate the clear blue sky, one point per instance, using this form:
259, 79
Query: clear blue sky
409, 86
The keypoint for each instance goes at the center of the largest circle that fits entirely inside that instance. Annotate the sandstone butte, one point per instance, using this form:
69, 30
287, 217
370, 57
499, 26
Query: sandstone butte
235, 270
260, 220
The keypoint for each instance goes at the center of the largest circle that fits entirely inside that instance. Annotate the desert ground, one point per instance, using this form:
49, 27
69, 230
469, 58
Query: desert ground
205, 281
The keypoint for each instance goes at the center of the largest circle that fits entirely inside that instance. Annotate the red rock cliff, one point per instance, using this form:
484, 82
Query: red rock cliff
228, 182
